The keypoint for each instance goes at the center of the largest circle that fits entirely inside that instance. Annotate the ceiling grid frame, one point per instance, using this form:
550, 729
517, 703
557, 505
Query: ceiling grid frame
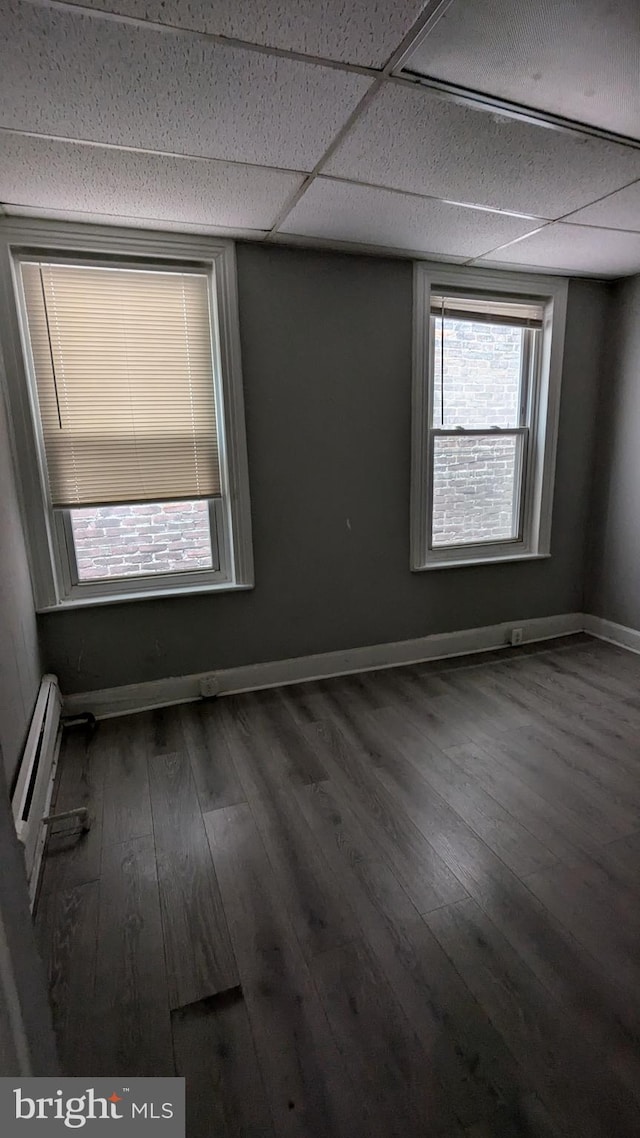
389, 75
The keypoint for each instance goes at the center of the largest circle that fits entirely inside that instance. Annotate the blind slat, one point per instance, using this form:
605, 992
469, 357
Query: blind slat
124, 377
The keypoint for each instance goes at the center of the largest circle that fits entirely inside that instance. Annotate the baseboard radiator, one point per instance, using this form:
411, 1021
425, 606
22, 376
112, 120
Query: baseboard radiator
32, 795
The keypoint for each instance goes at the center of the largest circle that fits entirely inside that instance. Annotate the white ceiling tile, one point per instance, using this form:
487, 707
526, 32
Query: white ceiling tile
145, 223
304, 241
574, 249
365, 32
619, 211
575, 58
410, 139
363, 214
81, 77
67, 176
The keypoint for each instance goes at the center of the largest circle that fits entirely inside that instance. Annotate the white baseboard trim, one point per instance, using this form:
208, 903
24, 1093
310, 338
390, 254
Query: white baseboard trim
614, 633
110, 702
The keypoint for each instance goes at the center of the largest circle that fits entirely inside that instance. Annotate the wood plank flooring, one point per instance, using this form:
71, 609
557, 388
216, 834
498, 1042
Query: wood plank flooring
404, 903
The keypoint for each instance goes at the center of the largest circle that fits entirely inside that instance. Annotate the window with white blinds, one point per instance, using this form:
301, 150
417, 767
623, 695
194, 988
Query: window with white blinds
124, 376
124, 386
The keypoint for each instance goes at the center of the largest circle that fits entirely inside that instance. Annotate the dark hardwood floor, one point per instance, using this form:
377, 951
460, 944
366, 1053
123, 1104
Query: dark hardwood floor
404, 903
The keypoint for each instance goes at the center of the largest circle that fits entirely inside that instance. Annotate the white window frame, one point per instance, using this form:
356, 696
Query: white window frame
54, 573
535, 499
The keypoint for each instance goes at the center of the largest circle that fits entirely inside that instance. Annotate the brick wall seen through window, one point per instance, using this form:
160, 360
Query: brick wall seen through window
475, 478
129, 541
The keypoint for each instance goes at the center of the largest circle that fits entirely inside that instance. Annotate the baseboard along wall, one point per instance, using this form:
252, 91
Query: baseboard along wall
109, 702
617, 634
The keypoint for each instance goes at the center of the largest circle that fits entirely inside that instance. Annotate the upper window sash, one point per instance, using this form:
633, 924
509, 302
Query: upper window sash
529, 362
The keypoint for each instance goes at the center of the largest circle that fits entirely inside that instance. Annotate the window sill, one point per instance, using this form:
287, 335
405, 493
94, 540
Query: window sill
463, 563
151, 595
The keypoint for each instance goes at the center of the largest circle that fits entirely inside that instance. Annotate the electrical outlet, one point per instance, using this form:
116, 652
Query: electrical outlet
516, 636
209, 685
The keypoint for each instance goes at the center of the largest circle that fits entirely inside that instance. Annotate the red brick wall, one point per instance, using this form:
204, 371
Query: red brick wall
119, 541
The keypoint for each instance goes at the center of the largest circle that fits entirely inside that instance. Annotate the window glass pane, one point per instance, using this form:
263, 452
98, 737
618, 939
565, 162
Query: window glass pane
476, 374
141, 540
475, 483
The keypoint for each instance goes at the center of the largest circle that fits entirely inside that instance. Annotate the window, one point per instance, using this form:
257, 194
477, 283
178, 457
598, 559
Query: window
131, 367
488, 353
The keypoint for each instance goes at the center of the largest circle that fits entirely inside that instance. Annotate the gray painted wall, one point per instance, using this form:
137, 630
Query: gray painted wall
613, 581
26, 1034
19, 656
326, 342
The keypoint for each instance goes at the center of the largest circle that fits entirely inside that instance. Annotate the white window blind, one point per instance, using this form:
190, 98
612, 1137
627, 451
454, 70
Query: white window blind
124, 374
488, 310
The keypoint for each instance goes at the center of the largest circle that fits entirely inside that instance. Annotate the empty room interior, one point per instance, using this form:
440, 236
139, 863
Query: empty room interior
320, 565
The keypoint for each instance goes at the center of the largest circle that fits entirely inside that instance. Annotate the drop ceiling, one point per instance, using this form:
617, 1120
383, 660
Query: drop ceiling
475, 131
577, 59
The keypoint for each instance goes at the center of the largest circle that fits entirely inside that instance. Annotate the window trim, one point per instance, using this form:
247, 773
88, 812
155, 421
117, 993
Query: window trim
540, 461
52, 585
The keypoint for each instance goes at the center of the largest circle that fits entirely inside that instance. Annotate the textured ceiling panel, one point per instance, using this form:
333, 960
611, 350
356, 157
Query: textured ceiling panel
82, 77
128, 222
575, 249
360, 31
576, 58
362, 214
619, 211
410, 139
304, 241
67, 176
